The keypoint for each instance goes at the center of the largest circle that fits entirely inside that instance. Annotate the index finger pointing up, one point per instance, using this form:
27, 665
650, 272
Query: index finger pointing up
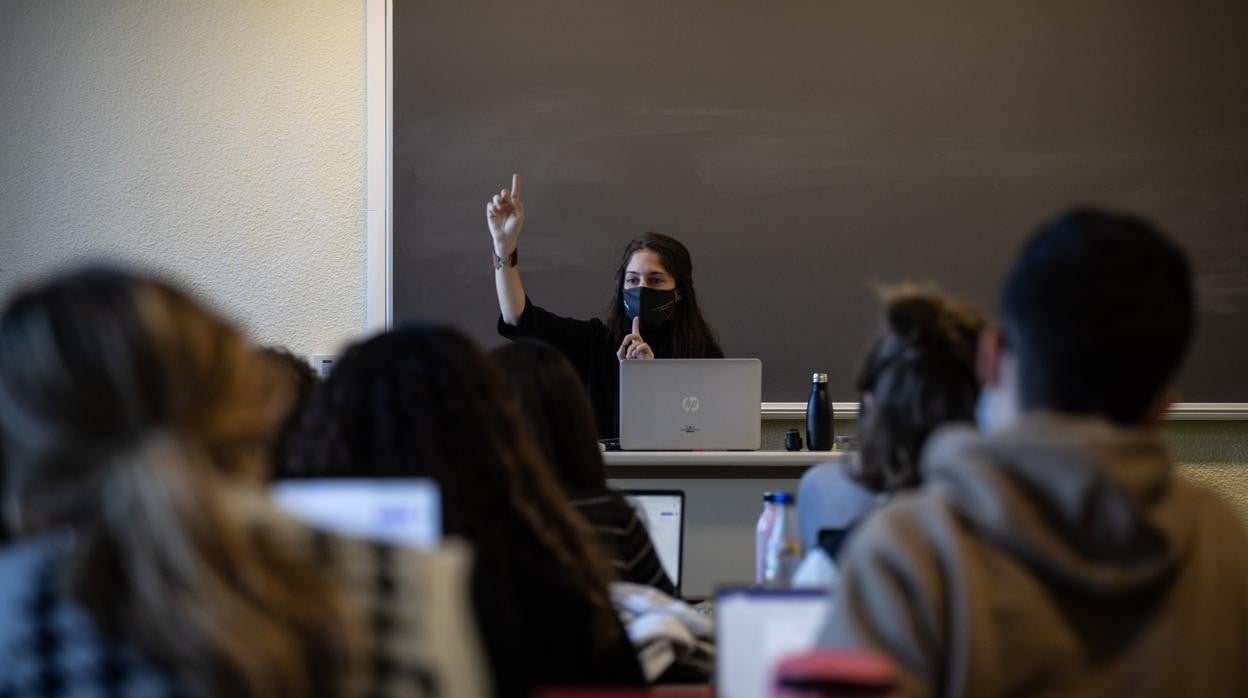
637, 325
515, 186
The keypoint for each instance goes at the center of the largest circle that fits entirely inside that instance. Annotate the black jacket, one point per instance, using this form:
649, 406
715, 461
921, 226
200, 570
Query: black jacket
588, 344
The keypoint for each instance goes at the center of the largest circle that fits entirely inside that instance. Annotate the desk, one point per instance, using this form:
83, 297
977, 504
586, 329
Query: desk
723, 498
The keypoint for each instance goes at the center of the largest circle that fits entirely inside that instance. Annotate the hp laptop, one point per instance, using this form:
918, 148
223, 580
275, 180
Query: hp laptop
663, 512
690, 404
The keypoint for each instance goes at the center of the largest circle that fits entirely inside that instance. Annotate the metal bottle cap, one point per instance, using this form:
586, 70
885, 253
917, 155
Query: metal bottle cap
819, 378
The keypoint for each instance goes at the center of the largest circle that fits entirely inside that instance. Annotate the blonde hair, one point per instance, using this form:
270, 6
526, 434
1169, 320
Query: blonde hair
128, 412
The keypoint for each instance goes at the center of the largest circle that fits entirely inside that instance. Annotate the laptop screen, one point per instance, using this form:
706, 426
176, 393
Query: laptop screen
663, 512
403, 511
756, 628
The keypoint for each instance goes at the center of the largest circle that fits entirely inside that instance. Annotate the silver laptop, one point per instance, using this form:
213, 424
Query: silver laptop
691, 404
663, 512
403, 511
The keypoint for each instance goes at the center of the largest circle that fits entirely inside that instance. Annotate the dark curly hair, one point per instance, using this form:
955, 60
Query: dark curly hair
425, 401
295, 371
920, 373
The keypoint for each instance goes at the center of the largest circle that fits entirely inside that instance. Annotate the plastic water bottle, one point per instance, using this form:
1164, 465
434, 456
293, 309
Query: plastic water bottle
784, 546
762, 534
819, 415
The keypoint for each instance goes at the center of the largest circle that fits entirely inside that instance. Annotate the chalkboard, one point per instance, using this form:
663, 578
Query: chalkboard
807, 151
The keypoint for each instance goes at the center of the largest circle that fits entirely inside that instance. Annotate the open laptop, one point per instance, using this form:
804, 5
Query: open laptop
756, 628
402, 511
691, 404
663, 513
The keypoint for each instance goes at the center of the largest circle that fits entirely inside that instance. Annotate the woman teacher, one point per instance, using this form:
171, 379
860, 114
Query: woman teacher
653, 311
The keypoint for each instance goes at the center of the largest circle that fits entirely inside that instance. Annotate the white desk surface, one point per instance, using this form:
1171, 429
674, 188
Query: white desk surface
722, 458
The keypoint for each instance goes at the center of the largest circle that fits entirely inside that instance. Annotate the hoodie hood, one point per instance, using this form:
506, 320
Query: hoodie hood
1085, 504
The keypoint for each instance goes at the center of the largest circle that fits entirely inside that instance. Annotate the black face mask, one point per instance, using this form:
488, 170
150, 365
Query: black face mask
655, 308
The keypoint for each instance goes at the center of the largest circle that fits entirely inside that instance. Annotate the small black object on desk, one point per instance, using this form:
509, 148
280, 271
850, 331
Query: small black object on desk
608, 444
792, 440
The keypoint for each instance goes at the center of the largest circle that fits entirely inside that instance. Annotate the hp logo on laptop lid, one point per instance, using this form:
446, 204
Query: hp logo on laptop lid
690, 404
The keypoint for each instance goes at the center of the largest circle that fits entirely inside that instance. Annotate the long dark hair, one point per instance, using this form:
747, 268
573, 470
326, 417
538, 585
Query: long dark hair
127, 410
424, 401
691, 336
921, 374
558, 412
303, 382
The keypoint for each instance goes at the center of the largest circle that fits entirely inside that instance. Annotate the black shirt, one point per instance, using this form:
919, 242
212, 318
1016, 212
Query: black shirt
588, 344
544, 637
625, 538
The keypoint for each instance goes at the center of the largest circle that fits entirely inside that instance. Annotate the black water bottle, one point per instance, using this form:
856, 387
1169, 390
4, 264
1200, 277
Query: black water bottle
819, 415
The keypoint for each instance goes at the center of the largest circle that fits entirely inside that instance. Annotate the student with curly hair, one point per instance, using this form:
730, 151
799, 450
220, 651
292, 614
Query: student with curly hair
424, 401
303, 382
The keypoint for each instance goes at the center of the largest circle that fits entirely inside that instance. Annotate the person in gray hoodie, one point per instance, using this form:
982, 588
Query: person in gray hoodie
1057, 553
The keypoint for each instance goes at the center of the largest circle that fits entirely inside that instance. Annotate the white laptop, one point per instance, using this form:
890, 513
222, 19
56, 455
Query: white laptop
691, 404
402, 511
756, 628
663, 512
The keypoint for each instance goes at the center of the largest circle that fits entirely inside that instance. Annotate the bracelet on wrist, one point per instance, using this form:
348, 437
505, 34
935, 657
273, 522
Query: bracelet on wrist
512, 259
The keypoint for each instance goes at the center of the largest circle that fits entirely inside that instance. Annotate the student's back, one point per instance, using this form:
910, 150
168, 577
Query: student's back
1027, 575
1058, 554
560, 420
136, 427
426, 402
420, 598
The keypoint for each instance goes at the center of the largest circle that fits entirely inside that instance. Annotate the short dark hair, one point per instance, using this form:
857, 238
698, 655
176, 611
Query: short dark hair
1099, 312
921, 374
557, 411
298, 373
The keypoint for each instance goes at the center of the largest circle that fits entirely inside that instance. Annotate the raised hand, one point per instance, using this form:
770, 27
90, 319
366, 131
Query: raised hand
633, 346
505, 215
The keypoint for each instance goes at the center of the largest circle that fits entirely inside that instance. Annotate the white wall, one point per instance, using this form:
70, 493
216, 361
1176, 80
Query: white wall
220, 141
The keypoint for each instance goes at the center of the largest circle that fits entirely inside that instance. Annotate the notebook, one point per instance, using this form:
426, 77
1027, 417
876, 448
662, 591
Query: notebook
756, 628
